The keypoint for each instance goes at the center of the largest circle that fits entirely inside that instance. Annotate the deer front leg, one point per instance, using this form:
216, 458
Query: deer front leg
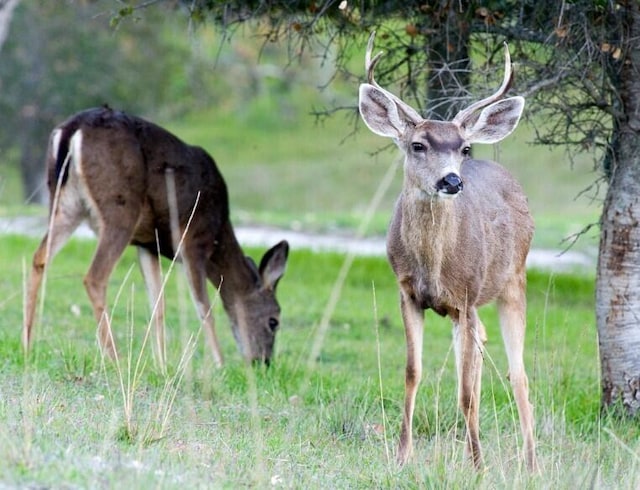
198, 286
413, 318
150, 267
512, 313
469, 337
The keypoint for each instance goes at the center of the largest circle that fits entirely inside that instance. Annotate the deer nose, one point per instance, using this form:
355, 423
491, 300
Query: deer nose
450, 184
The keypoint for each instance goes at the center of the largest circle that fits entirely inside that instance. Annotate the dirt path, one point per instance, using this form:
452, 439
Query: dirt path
265, 236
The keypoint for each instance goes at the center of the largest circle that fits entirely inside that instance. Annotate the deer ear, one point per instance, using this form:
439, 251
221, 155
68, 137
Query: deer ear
273, 264
382, 114
495, 122
252, 267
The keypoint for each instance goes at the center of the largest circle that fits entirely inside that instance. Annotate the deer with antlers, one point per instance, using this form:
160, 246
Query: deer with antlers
458, 239
138, 184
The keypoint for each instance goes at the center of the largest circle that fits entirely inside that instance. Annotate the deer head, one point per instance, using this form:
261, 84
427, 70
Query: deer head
435, 150
255, 313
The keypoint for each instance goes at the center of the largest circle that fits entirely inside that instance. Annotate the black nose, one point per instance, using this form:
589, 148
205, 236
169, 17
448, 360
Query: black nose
450, 184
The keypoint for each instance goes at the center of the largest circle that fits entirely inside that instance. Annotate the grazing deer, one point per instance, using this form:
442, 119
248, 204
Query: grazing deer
458, 239
138, 184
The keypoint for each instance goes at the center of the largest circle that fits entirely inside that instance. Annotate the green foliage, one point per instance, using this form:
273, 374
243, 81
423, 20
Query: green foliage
64, 420
62, 57
69, 59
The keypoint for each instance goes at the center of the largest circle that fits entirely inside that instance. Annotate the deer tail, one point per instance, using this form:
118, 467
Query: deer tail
61, 148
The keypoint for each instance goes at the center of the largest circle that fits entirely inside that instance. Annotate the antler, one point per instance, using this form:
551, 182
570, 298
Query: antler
369, 65
506, 83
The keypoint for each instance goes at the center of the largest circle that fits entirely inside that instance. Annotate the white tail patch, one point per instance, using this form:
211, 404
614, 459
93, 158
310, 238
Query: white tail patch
55, 141
75, 150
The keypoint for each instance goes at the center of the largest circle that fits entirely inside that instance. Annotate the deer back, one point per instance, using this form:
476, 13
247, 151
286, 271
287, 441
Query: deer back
124, 167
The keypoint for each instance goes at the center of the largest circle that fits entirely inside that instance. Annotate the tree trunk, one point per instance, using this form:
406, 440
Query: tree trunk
33, 117
6, 12
449, 64
618, 275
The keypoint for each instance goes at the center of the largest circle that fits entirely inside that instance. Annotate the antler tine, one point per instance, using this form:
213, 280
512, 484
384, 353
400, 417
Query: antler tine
370, 63
506, 83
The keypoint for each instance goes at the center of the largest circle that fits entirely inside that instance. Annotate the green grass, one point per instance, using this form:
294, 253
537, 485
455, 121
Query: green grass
66, 421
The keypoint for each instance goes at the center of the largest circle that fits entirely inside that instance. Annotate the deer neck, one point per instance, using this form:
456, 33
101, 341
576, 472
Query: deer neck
229, 269
429, 230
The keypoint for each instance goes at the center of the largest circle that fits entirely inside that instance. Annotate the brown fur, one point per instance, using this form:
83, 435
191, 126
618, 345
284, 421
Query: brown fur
138, 184
455, 249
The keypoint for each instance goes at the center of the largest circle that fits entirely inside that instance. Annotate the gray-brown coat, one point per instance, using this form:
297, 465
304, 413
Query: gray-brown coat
138, 184
458, 239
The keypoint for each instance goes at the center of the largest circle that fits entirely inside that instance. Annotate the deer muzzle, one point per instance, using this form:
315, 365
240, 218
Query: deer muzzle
450, 184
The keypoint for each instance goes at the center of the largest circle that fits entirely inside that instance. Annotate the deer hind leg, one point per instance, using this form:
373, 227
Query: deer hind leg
469, 337
195, 269
111, 244
66, 218
413, 318
512, 313
150, 267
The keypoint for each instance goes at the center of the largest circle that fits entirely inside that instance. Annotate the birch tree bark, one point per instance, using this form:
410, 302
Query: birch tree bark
618, 274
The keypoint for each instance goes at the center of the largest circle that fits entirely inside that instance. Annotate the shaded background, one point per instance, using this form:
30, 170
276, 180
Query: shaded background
263, 110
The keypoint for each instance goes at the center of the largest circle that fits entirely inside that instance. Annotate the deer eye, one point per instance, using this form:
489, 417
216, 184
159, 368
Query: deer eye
273, 323
466, 151
418, 147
